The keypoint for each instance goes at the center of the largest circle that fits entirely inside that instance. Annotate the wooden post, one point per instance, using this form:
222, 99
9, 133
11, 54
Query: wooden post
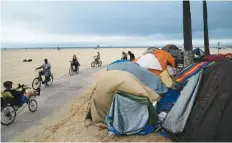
206, 35
187, 31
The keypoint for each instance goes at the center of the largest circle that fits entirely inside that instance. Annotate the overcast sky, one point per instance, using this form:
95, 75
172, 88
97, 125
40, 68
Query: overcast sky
76, 23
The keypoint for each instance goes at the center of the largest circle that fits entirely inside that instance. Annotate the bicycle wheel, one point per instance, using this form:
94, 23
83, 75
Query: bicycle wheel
32, 105
71, 71
8, 115
50, 81
99, 63
77, 70
93, 64
36, 83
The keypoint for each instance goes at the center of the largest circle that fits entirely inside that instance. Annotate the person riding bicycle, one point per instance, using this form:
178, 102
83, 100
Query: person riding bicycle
18, 97
46, 71
75, 63
97, 57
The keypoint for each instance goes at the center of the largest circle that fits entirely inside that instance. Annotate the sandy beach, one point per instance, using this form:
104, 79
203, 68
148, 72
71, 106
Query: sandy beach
62, 107
13, 68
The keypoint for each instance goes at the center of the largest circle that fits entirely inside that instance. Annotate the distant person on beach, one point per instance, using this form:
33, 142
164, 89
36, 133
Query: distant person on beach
46, 70
124, 56
132, 56
75, 63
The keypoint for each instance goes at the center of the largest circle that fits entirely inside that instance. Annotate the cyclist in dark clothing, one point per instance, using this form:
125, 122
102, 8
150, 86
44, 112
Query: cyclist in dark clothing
132, 56
97, 57
75, 63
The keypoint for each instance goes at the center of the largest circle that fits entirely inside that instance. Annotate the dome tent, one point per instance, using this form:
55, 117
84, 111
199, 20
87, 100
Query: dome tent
148, 78
101, 92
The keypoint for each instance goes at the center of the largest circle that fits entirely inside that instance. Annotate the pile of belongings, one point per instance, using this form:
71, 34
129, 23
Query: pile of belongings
135, 98
175, 52
218, 57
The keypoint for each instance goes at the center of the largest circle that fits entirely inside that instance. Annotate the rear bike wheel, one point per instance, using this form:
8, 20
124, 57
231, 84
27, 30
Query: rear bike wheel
77, 70
50, 80
93, 64
36, 83
71, 71
32, 105
8, 115
99, 63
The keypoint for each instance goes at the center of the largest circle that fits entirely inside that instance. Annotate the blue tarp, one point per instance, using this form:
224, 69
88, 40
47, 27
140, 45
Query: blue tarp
128, 116
146, 77
119, 61
167, 101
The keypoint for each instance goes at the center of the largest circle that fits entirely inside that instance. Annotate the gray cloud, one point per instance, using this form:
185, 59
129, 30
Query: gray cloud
116, 18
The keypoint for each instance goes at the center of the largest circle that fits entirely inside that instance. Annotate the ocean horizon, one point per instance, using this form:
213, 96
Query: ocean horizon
101, 47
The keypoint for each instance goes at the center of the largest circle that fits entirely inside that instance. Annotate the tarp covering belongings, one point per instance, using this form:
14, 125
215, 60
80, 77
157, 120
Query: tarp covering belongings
167, 100
149, 79
172, 49
191, 70
156, 63
119, 61
166, 79
130, 114
228, 55
175, 52
149, 61
211, 58
211, 119
177, 117
106, 85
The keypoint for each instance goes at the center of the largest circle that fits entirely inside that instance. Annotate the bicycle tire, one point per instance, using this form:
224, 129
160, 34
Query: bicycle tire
93, 64
14, 113
71, 71
36, 80
51, 79
99, 63
30, 103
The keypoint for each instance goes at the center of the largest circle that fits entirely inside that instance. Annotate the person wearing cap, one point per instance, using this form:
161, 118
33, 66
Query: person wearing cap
46, 70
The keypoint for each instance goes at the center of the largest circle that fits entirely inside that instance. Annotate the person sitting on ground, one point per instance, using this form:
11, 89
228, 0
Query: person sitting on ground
75, 63
124, 56
97, 57
46, 70
132, 56
19, 97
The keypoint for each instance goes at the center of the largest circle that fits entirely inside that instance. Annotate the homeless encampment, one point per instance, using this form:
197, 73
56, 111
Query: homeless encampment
106, 85
150, 80
210, 119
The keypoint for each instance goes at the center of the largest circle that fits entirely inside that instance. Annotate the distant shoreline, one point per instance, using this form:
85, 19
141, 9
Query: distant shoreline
66, 48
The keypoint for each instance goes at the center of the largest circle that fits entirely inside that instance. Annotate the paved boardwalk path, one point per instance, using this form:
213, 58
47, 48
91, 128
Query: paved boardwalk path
51, 100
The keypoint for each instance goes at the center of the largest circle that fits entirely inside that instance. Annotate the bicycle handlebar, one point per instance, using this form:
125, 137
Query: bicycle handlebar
23, 86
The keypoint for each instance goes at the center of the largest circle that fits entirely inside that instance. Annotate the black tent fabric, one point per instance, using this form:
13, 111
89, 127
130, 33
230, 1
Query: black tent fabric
211, 116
